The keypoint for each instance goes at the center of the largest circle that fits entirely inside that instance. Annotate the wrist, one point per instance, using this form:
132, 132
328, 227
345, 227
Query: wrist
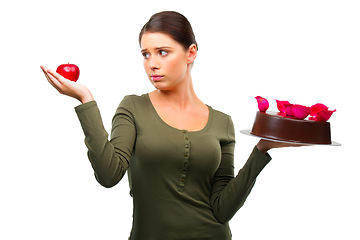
86, 98
262, 146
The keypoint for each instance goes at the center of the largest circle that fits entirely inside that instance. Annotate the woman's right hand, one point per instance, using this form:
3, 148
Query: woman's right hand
265, 145
67, 87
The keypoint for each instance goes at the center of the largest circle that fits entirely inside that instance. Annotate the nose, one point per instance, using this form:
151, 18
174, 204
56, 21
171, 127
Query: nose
153, 64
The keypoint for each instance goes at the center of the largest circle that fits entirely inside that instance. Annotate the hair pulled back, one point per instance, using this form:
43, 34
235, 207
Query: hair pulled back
173, 24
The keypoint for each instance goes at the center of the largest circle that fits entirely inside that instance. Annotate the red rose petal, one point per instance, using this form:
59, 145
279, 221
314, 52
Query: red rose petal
324, 115
263, 103
281, 105
314, 109
288, 110
300, 111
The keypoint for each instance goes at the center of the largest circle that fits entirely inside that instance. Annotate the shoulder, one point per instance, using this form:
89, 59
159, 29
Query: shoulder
220, 116
131, 104
133, 101
131, 107
223, 124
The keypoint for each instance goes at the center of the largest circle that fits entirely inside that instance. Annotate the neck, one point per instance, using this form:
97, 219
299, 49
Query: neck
182, 97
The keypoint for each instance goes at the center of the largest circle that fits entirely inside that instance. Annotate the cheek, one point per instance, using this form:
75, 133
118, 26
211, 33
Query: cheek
176, 66
144, 65
147, 70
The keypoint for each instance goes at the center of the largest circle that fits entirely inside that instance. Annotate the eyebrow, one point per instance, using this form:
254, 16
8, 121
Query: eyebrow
158, 48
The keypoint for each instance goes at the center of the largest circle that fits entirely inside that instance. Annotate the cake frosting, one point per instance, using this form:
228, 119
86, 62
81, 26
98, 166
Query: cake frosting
274, 125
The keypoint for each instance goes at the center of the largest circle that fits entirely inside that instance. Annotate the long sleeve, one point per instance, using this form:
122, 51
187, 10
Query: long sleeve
109, 159
228, 192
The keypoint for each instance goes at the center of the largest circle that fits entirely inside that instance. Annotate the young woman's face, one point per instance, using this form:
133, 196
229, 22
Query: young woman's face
165, 60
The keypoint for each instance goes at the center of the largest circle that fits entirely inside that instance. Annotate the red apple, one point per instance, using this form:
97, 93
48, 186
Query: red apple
69, 71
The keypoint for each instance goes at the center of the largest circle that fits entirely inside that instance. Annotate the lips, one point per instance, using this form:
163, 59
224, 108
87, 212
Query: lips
156, 77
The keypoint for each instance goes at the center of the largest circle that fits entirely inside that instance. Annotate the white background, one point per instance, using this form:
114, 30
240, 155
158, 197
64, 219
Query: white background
301, 51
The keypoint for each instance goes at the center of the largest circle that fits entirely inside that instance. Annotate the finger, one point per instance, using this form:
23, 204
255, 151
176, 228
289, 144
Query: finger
47, 77
59, 80
55, 84
43, 68
52, 80
52, 84
55, 75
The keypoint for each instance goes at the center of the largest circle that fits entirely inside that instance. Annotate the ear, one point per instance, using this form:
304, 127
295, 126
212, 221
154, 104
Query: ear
192, 53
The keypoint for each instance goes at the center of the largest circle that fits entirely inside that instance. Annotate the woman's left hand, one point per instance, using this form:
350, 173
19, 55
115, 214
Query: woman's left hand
265, 145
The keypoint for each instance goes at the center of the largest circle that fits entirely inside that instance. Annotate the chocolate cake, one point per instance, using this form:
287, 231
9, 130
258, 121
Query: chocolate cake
273, 125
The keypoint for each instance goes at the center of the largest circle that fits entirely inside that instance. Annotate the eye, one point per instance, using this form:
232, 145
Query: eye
163, 53
146, 55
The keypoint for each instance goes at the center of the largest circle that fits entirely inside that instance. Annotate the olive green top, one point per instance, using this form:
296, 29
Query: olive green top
182, 182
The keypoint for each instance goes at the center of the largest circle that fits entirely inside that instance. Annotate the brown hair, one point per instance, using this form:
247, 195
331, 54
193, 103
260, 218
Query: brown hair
173, 24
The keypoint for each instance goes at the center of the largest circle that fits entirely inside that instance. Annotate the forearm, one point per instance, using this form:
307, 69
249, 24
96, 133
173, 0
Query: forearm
109, 168
227, 201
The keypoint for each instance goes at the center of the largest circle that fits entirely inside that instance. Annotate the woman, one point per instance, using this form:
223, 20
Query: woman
178, 151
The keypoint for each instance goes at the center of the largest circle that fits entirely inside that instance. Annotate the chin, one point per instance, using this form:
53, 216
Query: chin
160, 86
